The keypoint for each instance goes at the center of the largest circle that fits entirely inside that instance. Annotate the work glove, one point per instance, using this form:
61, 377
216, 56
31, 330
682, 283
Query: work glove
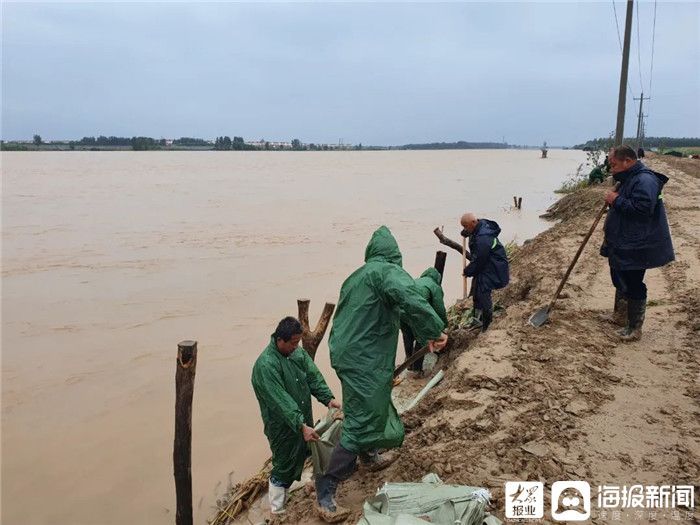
464, 272
465, 233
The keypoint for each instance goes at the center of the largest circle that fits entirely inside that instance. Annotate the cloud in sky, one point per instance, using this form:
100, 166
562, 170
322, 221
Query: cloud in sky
389, 73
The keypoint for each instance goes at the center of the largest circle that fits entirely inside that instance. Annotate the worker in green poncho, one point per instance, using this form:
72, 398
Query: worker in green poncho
284, 378
428, 285
363, 353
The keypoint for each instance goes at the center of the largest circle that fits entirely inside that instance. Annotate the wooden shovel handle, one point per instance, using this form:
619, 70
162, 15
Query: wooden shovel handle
464, 265
408, 362
578, 254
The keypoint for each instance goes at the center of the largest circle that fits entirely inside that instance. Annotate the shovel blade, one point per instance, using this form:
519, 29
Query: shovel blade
539, 317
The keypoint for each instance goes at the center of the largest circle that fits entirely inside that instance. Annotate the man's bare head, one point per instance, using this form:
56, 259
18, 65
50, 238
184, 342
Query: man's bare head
469, 222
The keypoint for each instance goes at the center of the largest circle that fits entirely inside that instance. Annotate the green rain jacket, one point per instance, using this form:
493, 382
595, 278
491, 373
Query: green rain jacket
283, 386
363, 342
428, 285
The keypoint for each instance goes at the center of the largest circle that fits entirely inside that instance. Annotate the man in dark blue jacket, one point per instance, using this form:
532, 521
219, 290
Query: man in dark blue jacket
488, 266
637, 236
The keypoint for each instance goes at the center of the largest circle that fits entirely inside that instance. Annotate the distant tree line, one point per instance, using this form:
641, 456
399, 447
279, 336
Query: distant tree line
190, 142
456, 145
146, 143
649, 142
223, 143
103, 141
237, 144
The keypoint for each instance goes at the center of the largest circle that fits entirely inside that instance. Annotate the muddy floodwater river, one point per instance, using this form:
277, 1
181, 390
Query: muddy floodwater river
109, 259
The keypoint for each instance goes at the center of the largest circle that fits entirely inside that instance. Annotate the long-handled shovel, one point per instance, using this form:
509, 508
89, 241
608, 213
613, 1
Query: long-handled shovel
464, 265
542, 315
420, 353
408, 362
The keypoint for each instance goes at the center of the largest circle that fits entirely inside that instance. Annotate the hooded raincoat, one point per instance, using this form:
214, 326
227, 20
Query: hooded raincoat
363, 342
637, 236
283, 386
489, 261
428, 285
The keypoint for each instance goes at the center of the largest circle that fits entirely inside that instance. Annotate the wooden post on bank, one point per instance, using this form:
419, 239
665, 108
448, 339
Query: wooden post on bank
182, 449
515, 201
310, 339
449, 242
439, 265
520, 202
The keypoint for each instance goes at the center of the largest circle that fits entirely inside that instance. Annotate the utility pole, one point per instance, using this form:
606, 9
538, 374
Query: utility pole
622, 98
640, 119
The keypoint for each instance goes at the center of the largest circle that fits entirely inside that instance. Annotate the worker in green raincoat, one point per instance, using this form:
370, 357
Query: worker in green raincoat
428, 285
363, 353
284, 378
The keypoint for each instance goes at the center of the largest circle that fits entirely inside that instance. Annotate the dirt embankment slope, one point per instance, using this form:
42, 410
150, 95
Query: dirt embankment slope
567, 401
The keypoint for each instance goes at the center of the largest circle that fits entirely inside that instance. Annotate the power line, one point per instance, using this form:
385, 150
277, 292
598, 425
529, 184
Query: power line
639, 53
653, 41
651, 68
617, 25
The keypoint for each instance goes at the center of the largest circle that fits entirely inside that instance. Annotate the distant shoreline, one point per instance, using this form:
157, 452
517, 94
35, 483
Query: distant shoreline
688, 146
226, 143
64, 147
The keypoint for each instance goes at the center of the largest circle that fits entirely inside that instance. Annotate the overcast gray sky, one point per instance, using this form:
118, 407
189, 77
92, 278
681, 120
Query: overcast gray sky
390, 73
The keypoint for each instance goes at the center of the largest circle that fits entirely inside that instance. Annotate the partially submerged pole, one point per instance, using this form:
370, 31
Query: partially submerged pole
310, 339
182, 449
520, 202
439, 265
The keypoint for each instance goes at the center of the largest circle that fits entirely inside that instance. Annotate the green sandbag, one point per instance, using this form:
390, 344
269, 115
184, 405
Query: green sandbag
430, 501
328, 429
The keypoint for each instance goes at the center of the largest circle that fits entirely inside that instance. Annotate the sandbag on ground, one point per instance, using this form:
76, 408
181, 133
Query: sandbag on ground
429, 501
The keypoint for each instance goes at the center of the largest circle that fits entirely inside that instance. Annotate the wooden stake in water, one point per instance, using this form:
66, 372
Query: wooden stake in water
439, 265
182, 448
310, 339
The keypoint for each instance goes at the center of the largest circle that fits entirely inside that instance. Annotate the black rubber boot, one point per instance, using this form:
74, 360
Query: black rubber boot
636, 311
619, 313
374, 461
619, 316
326, 507
477, 317
486, 318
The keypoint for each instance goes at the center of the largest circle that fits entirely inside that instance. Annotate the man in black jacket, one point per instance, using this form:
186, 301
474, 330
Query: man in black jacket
637, 236
488, 264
